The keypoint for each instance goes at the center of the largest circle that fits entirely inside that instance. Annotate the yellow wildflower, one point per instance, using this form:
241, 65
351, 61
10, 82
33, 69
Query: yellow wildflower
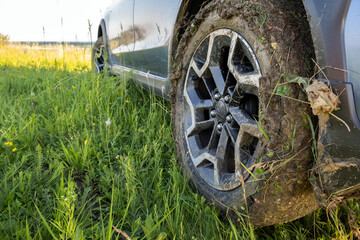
73, 87
8, 143
274, 45
14, 149
127, 101
86, 141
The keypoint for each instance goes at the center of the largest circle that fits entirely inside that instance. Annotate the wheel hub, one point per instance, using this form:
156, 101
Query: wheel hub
219, 114
222, 111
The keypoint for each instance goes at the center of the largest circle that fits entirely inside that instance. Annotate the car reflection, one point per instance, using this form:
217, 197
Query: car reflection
125, 38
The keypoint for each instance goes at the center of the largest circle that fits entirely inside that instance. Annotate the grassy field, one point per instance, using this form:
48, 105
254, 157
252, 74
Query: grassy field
92, 157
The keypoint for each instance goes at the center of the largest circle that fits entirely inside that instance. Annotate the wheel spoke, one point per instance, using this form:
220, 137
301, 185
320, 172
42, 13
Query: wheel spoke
211, 43
248, 132
200, 126
196, 102
251, 79
194, 66
214, 138
199, 63
199, 159
209, 83
232, 133
246, 70
202, 156
200, 66
204, 104
251, 128
231, 51
240, 116
218, 78
99, 51
236, 95
221, 151
100, 65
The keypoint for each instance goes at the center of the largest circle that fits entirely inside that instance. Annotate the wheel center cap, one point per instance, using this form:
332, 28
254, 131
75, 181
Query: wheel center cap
221, 110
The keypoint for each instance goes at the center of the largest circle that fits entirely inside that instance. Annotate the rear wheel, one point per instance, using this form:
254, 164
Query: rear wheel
234, 136
98, 56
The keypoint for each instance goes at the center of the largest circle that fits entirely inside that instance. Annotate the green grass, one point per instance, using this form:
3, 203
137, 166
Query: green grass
81, 153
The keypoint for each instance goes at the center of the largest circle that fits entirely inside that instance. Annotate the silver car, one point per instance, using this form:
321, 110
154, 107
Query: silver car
238, 75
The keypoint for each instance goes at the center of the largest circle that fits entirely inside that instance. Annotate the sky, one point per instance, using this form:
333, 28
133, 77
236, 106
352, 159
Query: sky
51, 20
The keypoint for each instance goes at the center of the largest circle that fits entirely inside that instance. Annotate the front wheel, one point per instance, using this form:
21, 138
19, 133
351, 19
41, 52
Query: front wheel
242, 146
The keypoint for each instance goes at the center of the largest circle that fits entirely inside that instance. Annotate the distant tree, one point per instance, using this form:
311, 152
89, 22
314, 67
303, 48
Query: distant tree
4, 38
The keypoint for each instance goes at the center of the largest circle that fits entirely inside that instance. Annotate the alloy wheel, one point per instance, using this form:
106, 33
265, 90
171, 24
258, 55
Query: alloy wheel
99, 58
221, 108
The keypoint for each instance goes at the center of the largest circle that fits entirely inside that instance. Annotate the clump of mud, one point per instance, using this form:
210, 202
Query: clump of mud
323, 102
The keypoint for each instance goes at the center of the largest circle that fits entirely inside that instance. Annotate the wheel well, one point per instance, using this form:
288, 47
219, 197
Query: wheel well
186, 13
100, 32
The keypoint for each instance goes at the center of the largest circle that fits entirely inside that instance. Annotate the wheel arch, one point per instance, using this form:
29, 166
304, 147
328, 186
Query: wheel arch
326, 20
189, 8
102, 32
101, 29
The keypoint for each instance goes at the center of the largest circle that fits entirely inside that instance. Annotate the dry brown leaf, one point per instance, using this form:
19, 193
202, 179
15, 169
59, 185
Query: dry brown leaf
322, 99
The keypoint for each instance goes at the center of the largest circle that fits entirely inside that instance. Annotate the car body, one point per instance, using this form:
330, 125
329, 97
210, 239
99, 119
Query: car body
142, 36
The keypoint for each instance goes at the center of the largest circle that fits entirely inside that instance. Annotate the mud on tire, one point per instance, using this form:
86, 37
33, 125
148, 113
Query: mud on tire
242, 146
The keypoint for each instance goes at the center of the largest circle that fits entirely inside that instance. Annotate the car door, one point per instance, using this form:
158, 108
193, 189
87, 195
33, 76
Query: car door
153, 27
120, 31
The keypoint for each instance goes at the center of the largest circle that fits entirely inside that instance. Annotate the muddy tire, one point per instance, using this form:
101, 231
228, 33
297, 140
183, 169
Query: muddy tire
98, 62
242, 146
